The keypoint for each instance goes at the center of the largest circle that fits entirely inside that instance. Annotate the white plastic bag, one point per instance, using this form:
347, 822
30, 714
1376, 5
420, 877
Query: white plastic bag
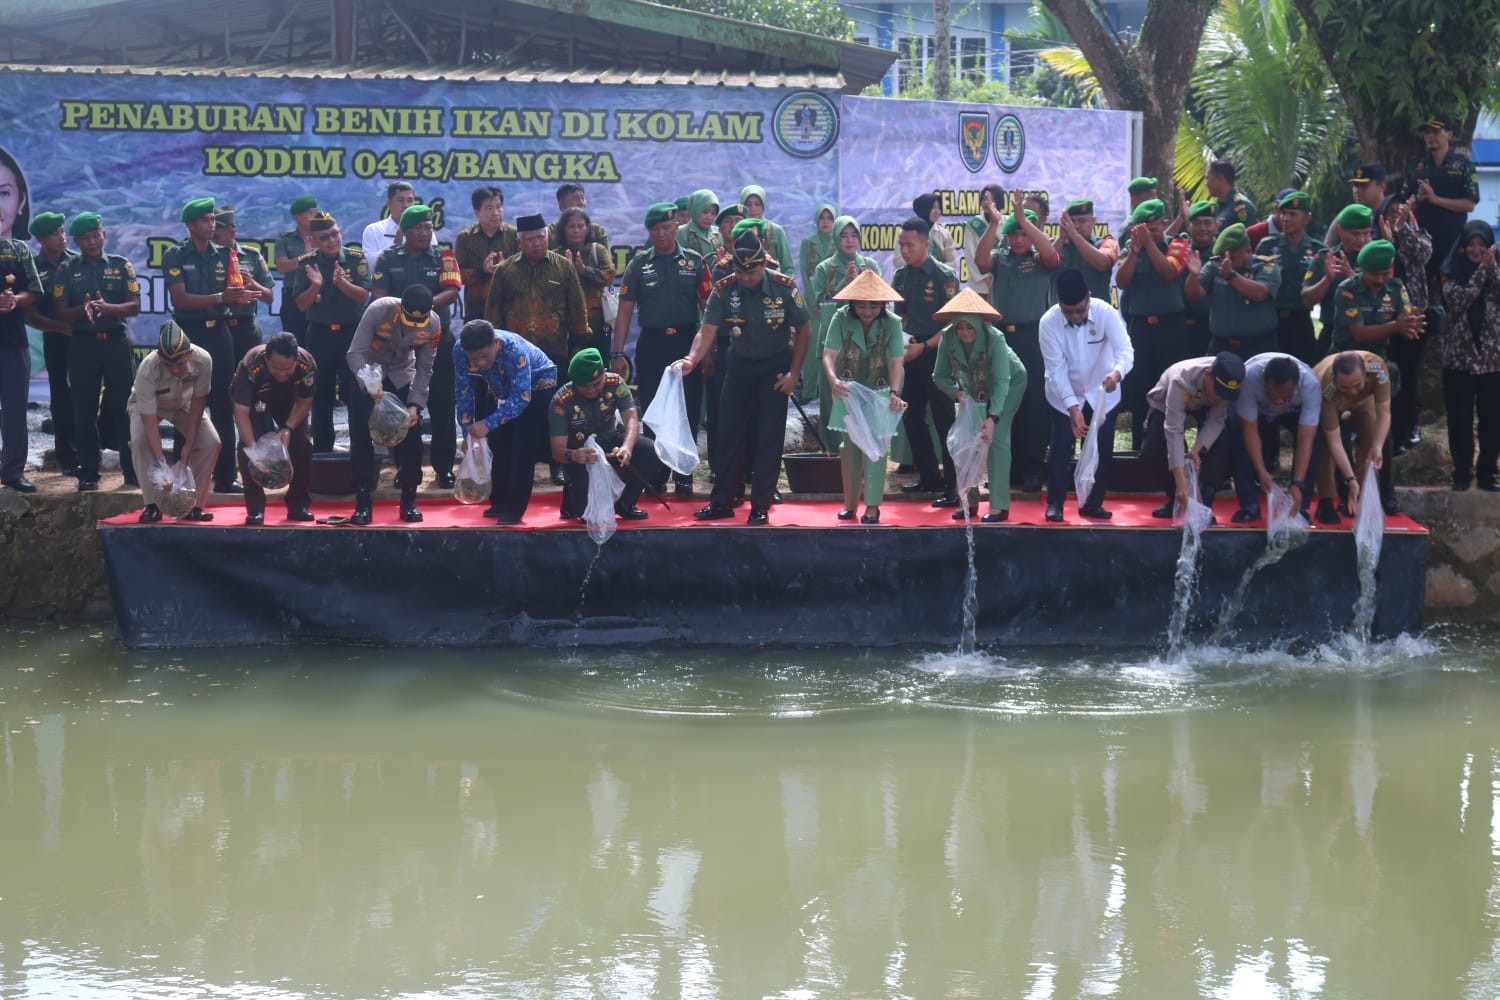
970, 453
605, 488
270, 462
1198, 513
869, 420
370, 378
1283, 523
667, 417
159, 475
1369, 522
1088, 455
472, 485
609, 304
181, 495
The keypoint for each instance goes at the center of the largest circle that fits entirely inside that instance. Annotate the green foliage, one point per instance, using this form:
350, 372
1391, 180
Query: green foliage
969, 91
811, 17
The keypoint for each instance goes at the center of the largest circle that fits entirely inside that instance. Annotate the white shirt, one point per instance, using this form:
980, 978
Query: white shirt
1078, 357
378, 236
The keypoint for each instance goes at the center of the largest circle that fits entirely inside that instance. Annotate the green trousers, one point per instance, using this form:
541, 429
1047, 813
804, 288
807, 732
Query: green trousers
857, 469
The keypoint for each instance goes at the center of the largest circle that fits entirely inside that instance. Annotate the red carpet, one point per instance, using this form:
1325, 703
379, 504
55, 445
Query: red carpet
1129, 512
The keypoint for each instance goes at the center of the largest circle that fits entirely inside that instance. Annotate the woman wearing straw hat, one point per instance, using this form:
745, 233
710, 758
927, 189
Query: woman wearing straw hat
863, 344
974, 360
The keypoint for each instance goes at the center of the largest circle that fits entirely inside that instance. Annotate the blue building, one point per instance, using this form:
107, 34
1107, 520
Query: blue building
978, 46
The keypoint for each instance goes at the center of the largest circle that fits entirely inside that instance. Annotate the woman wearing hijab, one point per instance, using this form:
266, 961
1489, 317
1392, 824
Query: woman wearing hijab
753, 197
832, 275
928, 208
864, 345
1471, 355
699, 234
974, 360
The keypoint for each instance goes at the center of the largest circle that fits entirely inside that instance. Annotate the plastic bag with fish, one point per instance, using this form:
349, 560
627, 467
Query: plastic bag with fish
869, 420
181, 494
473, 482
1283, 523
970, 453
605, 489
1088, 454
270, 463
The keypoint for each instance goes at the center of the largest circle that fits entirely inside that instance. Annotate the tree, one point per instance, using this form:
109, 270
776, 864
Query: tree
811, 17
1148, 73
1398, 61
942, 39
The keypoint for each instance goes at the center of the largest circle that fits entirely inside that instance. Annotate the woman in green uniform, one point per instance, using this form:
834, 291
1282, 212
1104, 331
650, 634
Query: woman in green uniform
833, 274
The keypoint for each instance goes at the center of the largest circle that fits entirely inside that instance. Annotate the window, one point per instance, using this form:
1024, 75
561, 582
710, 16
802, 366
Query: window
916, 55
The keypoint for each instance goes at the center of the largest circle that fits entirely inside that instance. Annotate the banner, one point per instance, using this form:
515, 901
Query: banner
892, 151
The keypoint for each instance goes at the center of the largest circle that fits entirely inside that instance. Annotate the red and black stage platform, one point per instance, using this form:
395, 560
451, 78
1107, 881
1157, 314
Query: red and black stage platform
806, 579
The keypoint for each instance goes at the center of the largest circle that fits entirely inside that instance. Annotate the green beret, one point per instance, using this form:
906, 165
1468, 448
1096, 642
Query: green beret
744, 226
680, 205
1199, 209
302, 204
1378, 255
1356, 217
662, 211
46, 224
1151, 208
197, 209
1141, 185
1010, 225
1297, 199
84, 223
585, 366
730, 210
415, 216
1080, 206
1231, 239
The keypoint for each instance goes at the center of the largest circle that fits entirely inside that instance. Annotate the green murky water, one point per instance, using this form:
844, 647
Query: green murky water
328, 823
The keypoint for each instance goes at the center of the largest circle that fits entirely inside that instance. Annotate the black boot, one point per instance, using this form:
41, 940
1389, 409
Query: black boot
363, 508
409, 512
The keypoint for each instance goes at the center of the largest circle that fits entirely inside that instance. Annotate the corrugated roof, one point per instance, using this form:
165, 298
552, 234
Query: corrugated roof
471, 73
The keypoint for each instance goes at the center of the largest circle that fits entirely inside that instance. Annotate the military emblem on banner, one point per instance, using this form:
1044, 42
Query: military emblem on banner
973, 138
1010, 143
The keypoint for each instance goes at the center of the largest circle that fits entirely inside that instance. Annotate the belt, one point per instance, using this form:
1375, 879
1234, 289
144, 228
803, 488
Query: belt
1010, 329
335, 327
1191, 322
670, 331
107, 334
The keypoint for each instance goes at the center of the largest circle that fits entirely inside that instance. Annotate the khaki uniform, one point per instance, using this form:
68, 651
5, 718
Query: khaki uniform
160, 395
1363, 409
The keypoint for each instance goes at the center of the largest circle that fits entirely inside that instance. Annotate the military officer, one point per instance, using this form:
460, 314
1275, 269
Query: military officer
1024, 270
1153, 270
331, 286
173, 383
289, 246
1080, 249
769, 333
1294, 250
1367, 187
52, 240
667, 282
399, 335
1200, 389
21, 287
925, 285
505, 385
1446, 186
1202, 230
481, 247
97, 292
416, 260
1334, 264
197, 277
273, 389
253, 274
1355, 383
1241, 288
587, 405
1372, 306
1230, 206
1140, 189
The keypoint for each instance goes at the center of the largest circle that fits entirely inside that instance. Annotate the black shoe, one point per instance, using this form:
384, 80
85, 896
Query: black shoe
1246, 514
776, 495
88, 484
506, 521
21, 485
871, 516
409, 512
906, 468
947, 500
490, 511
958, 515
229, 487
1094, 512
70, 470
363, 509
682, 489
130, 480
713, 512
197, 514
1461, 485
1327, 513
758, 516
1489, 486
444, 480
1054, 510
1415, 438
564, 513
1390, 505
921, 487
255, 520
631, 513
558, 479
298, 512
996, 516
1343, 508
1031, 484
150, 515
1164, 512
847, 514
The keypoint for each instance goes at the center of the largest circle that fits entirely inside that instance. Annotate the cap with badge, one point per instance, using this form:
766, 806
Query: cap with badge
1438, 121
416, 305
731, 212
321, 222
415, 216
1368, 173
46, 224
224, 217
1080, 206
84, 223
171, 343
303, 203
1378, 255
1151, 208
196, 209
585, 366
1299, 200
662, 211
1199, 209
1228, 372
1141, 185
749, 251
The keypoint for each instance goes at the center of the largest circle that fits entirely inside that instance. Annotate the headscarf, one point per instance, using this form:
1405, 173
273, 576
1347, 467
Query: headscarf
822, 244
697, 202
759, 192
973, 355
1458, 268
841, 259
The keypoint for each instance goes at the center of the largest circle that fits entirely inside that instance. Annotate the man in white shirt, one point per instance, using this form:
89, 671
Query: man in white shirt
1279, 392
399, 196
1084, 346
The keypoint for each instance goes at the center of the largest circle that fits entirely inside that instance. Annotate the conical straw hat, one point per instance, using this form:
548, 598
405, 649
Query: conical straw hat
967, 301
868, 287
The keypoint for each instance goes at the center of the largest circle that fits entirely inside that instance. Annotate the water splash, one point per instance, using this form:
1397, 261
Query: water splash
966, 638
1185, 582
1369, 531
1286, 531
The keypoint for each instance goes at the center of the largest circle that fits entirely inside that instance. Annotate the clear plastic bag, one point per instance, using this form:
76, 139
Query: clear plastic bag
609, 304
869, 420
159, 475
667, 417
370, 377
270, 463
1198, 513
1088, 454
473, 482
1369, 521
970, 453
605, 489
1283, 523
389, 421
181, 494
